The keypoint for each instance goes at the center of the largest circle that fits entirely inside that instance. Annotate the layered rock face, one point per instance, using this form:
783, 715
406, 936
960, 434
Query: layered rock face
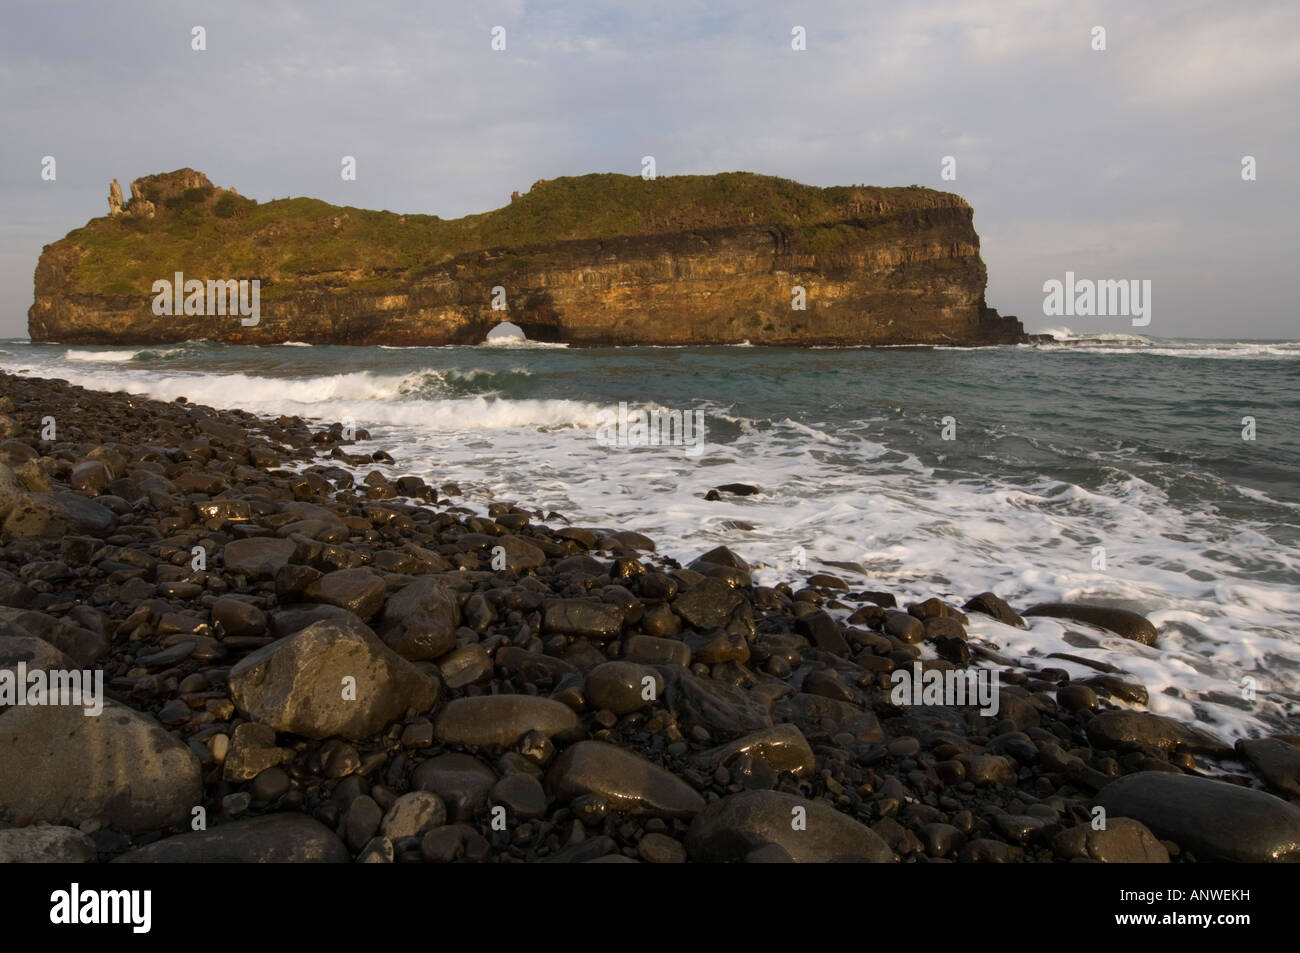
594, 260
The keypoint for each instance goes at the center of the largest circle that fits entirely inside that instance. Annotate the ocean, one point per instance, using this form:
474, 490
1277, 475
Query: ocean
1105, 469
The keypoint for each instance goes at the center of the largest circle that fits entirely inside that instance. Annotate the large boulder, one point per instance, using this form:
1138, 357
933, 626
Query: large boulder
1110, 729
1214, 820
1122, 622
334, 677
1123, 841
270, 839
59, 765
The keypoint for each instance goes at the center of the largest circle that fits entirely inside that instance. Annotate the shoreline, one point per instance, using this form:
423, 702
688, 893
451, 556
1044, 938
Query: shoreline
499, 662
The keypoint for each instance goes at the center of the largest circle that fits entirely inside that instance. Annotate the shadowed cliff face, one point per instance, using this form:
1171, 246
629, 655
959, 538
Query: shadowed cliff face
594, 260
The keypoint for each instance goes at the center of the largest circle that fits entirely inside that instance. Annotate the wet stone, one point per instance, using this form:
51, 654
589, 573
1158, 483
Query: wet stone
627, 781
522, 797
661, 849
992, 605
623, 687
442, 845
360, 591
1124, 841
1214, 820
412, 815
707, 604
578, 617
461, 781
1122, 622
1276, 761
272, 838
730, 829
502, 719
46, 844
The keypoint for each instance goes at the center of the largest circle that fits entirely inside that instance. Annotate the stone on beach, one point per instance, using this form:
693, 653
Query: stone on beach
628, 781
1215, 820
502, 719
1122, 622
809, 831
59, 765
332, 678
270, 839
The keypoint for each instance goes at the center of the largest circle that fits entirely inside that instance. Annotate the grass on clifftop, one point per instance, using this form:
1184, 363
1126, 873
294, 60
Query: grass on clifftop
217, 233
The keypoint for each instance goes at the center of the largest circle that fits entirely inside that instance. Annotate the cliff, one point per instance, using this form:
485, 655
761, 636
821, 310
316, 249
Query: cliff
591, 260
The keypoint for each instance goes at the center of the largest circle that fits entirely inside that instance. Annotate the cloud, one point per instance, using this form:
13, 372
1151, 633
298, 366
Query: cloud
1116, 159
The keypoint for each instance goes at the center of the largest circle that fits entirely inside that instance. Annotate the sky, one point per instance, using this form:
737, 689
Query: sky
1122, 163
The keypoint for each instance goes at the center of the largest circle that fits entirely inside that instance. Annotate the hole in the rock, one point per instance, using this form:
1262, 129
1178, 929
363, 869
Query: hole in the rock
506, 332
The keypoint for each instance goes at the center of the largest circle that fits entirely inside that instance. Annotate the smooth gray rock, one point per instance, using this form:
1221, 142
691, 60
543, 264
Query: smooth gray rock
730, 829
461, 781
121, 767
1124, 841
1109, 729
1276, 761
579, 617
502, 719
270, 839
1122, 622
420, 620
995, 606
1214, 820
621, 687
783, 748
626, 780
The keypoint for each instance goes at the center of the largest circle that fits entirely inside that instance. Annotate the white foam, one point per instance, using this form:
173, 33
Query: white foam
843, 495
100, 357
515, 341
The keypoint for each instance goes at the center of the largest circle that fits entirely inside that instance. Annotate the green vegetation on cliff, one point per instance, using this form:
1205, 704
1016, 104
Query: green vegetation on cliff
217, 232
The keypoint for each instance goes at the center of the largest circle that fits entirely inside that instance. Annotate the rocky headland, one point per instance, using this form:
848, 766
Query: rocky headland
308, 657
593, 260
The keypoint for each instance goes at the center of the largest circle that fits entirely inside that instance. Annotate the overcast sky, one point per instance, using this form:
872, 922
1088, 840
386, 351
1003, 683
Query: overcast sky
1117, 164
